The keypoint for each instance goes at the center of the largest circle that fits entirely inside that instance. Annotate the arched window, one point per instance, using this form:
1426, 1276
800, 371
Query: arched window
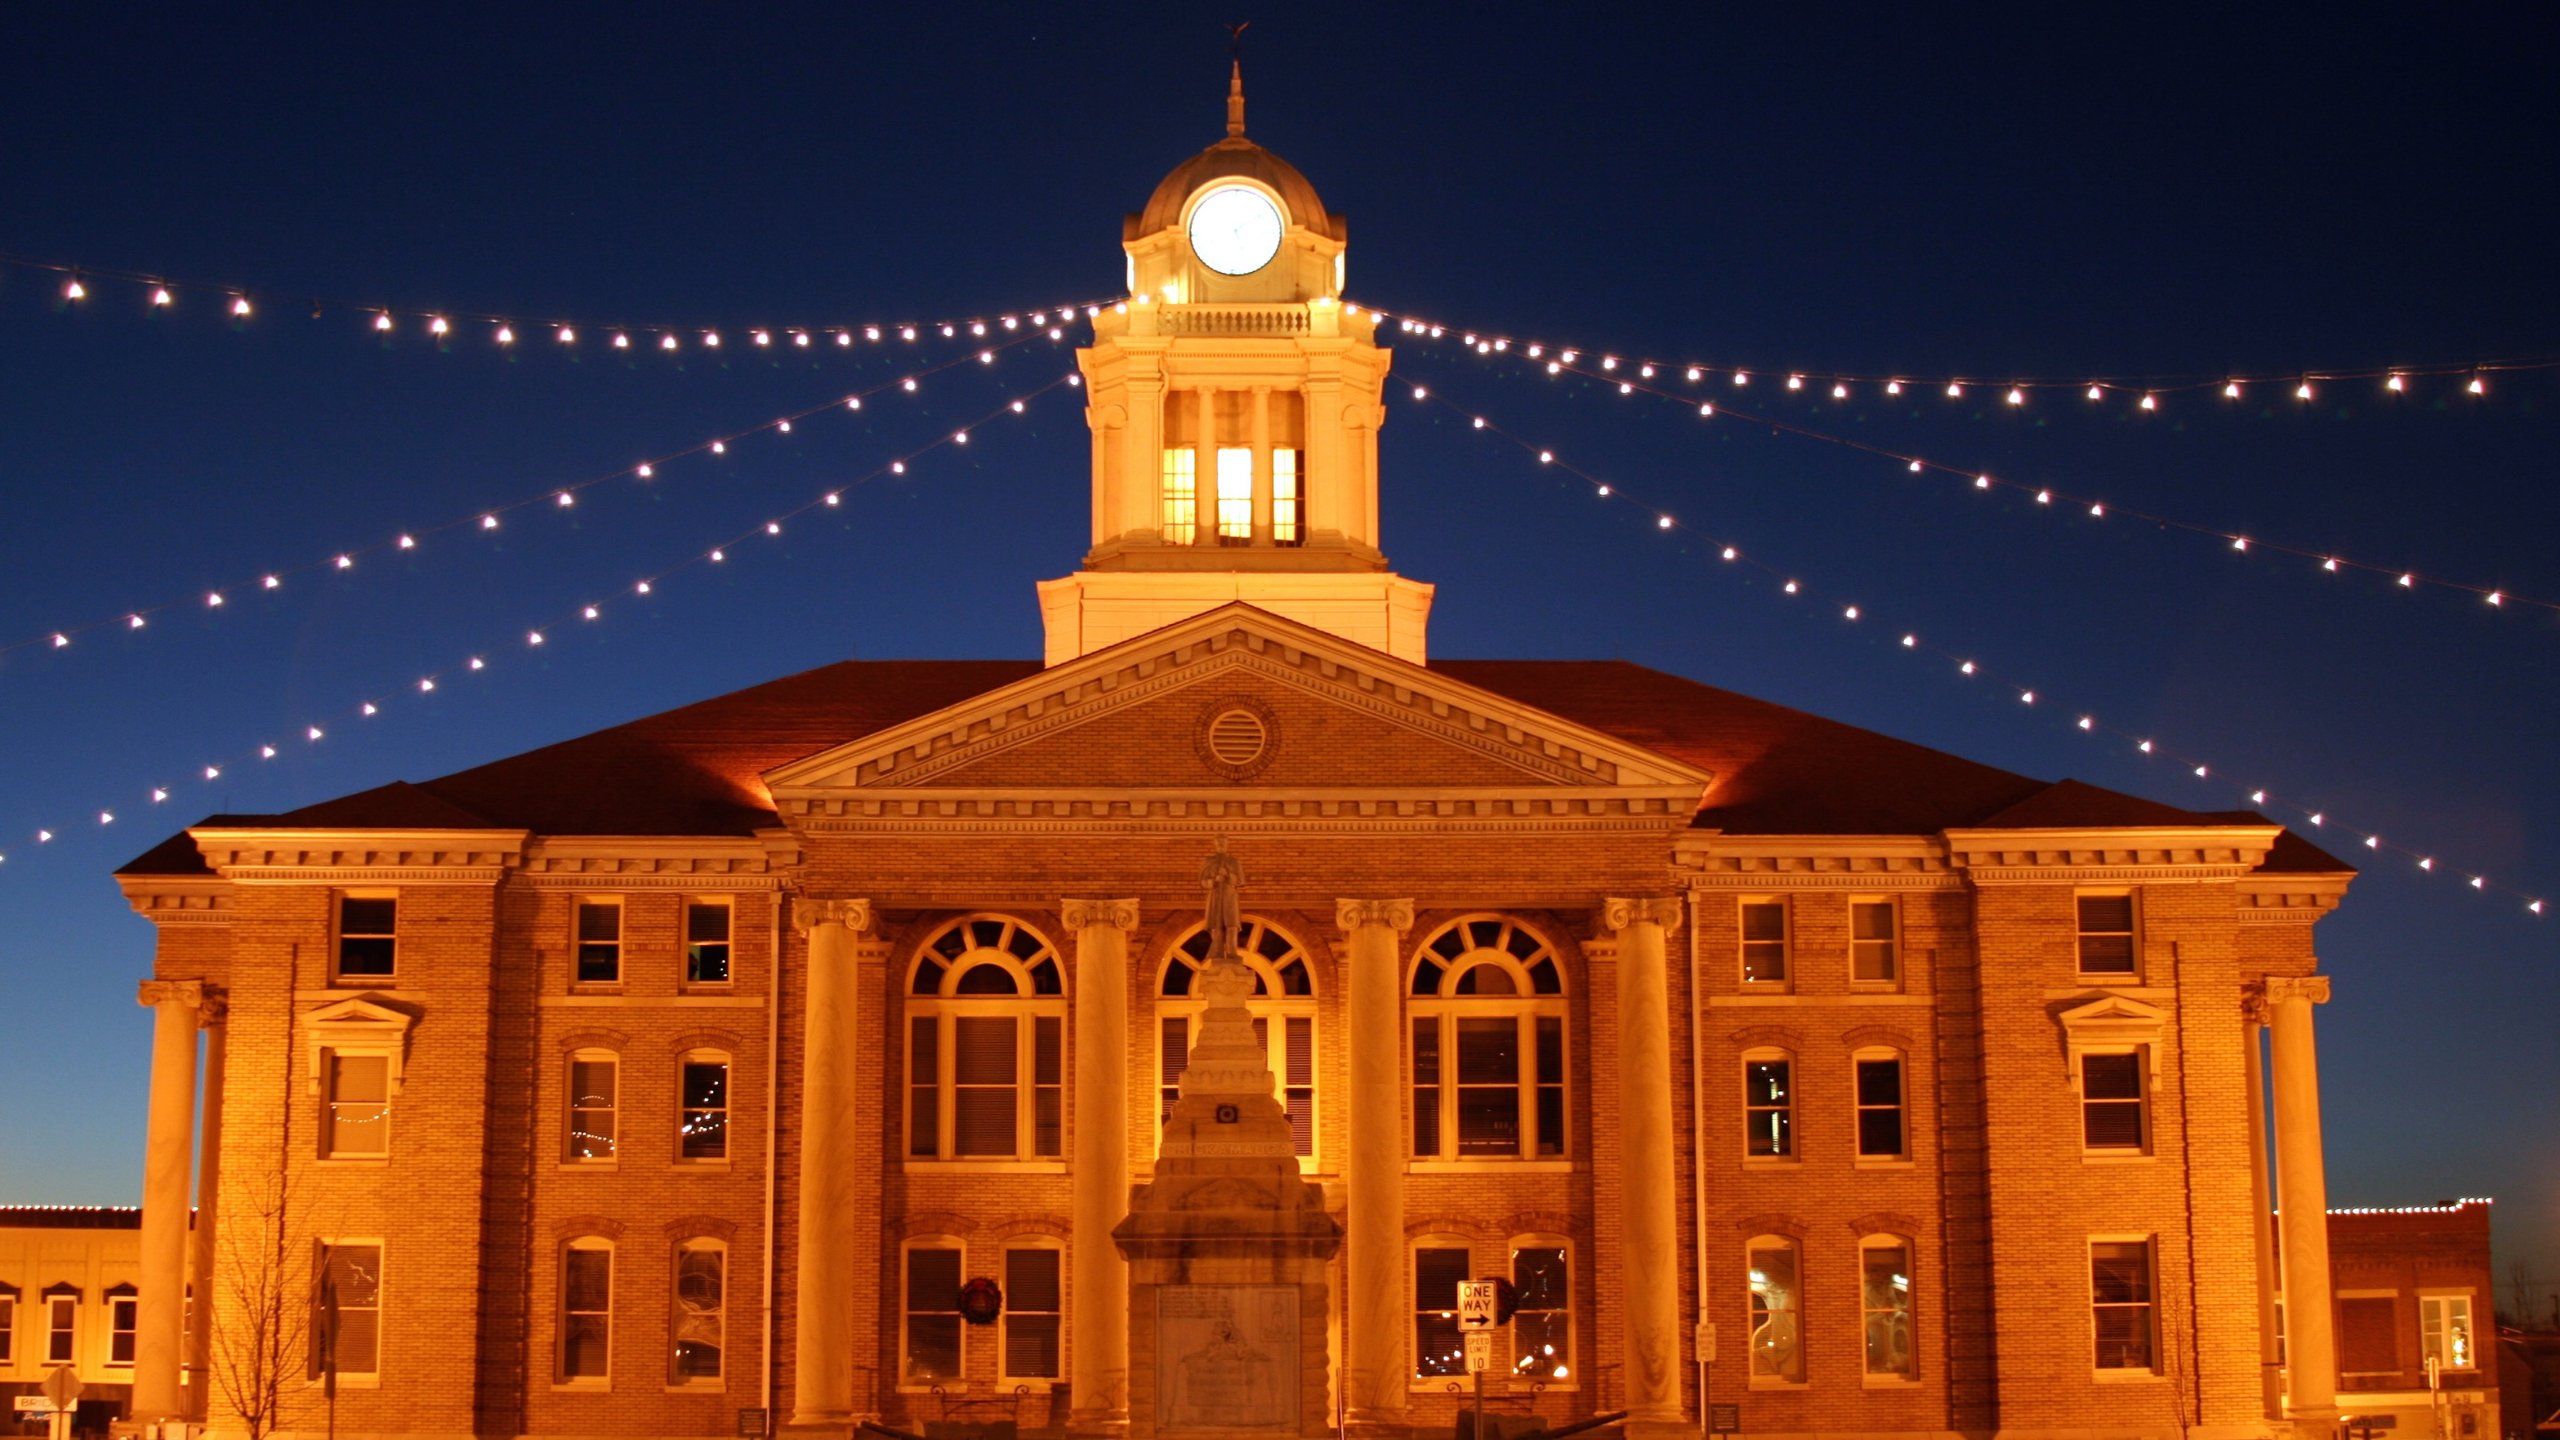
1284, 1017
1542, 1309
1777, 1310
586, 1311
1440, 1264
696, 1330
594, 1105
1034, 1302
702, 1114
929, 1338
1884, 1132
1768, 1105
1488, 1015
1884, 1273
986, 1017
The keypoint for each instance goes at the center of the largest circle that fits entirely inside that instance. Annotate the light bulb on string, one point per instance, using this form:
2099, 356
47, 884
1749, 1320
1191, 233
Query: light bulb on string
160, 297
506, 335
74, 290
240, 306
2095, 393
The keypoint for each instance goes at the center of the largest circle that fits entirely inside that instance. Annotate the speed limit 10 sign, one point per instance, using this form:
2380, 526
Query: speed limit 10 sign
1476, 1303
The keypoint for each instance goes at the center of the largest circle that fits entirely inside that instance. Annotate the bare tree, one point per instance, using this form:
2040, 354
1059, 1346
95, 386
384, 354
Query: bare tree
263, 1306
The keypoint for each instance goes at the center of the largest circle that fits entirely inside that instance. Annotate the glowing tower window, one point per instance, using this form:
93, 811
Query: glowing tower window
1181, 496
1235, 495
1284, 498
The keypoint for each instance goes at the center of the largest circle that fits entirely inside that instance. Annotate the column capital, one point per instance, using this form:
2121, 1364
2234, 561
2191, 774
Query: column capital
1396, 915
2255, 1009
2277, 989
1095, 914
215, 1009
152, 993
1617, 915
854, 915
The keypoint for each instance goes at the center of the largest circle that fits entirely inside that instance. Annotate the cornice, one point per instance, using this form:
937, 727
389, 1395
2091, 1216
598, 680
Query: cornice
1659, 809
1711, 860
2132, 854
178, 900
2289, 899
360, 857
652, 862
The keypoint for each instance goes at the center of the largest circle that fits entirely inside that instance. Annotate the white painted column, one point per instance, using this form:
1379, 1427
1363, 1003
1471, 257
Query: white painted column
1204, 465
201, 1254
2253, 1022
1098, 1293
1647, 1178
1261, 443
168, 1165
1377, 1365
831, 1115
1142, 450
2311, 1350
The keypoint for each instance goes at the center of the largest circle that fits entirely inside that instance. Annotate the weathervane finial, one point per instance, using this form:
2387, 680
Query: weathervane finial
1235, 78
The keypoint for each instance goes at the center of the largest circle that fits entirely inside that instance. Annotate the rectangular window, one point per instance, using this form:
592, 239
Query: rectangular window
1887, 1284
1031, 1306
586, 1312
1173, 1056
61, 1329
351, 1283
368, 947
704, 1134
2106, 934
1285, 502
985, 1066
355, 1116
122, 1316
1048, 1086
706, 943
1777, 1319
1871, 943
599, 942
591, 1107
2111, 1102
1235, 495
924, 1086
1426, 1087
932, 1349
1181, 495
1297, 1072
2120, 1301
1488, 1086
8, 1325
1550, 1085
1768, 1108
2444, 1331
2368, 1335
1542, 1314
1438, 1348
1764, 942
1880, 1128
699, 1322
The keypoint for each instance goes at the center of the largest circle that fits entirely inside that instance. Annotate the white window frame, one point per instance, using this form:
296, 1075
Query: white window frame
1269, 952
2431, 1329
686, 1110
907, 1378
1859, 1108
573, 1126
1526, 1007
562, 1315
728, 942
578, 941
1288, 501
124, 1323
677, 1313
339, 935
1179, 491
2141, 1057
1909, 1310
1793, 1376
2132, 973
1785, 979
2150, 1307
330, 1104
1021, 950
1419, 1379
1004, 1322
322, 1249
1863, 949
1234, 463
1544, 1375
8, 1325
1753, 1108
61, 1326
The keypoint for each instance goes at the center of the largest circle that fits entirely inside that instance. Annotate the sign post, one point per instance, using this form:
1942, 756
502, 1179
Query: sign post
63, 1388
1478, 1304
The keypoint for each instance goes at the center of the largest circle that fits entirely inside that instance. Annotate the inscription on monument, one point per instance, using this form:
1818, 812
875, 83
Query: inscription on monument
1227, 1357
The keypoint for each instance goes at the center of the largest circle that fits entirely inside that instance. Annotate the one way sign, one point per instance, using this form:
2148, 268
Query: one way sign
1476, 1304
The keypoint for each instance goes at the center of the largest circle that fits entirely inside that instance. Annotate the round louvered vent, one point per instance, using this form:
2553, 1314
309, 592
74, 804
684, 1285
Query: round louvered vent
1237, 736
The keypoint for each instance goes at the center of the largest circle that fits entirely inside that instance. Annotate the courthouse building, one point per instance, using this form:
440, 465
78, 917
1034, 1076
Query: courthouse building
797, 1050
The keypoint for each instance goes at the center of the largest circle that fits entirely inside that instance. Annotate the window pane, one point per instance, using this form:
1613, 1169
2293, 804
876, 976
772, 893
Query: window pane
1538, 1278
1543, 1345
1031, 1346
1764, 920
1438, 1348
706, 944
933, 1279
586, 1279
1488, 1052
1887, 1284
706, 1113
1879, 1082
2112, 1125
1871, 920
1880, 1133
2120, 1272
2368, 1335
1426, 1087
924, 1095
1768, 1108
933, 1346
1777, 1350
983, 1123
698, 1338
2111, 1077
2106, 913
362, 1079
1031, 1279
982, 1050
591, 1109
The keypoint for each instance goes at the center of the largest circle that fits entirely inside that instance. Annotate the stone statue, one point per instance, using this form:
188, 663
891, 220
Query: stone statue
1222, 875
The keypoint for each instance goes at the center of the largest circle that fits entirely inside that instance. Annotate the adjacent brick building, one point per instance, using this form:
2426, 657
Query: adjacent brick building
708, 1063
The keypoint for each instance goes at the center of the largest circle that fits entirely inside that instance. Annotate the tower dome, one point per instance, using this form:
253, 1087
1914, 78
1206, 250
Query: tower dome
1234, 158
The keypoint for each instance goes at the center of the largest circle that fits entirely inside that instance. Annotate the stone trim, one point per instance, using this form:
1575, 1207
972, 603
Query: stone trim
1786, 1225
359, 1026
361, 857
1886, 1222
580, 1227
700, 1227
1862, 1037
1769, 1037
163, 900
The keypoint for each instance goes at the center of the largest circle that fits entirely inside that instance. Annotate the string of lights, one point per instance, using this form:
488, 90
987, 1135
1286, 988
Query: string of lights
81, 284
2061, 501
221, 598
540, 633
1970, 666
2145, 392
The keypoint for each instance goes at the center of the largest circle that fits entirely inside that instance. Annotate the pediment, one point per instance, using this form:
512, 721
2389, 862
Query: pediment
358, 1025
1337, 719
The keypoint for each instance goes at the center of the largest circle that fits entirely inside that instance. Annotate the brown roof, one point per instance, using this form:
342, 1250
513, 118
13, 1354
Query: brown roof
696, 770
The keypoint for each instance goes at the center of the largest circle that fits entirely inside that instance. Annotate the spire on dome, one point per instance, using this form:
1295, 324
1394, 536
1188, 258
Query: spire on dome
1235, 79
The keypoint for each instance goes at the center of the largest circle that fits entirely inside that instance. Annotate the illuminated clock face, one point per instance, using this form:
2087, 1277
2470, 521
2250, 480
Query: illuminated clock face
1235, 230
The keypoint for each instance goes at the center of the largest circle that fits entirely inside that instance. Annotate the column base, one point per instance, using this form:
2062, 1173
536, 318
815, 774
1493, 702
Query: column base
1097, 1424
1377, 1425
817, 1423
1660, 1429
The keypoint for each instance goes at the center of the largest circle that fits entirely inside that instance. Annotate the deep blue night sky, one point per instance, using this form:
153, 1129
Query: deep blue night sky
2112, 191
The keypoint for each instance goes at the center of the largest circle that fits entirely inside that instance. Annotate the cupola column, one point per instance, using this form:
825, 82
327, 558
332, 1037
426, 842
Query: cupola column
1098, 1343
833, 1118
1261, 442
1204, 464
1647, 1146
1377, 1318
168, 1164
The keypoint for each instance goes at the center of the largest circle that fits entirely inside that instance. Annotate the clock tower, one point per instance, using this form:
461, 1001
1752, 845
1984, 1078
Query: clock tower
1234, 404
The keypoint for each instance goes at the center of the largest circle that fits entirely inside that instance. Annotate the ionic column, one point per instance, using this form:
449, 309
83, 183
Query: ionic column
1262, 495
2253, 1020
1377, 1319
831, 1116
1204, 466
1098, 1348
200, 1259
168, 1163
2311, 1350
1646, 1148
